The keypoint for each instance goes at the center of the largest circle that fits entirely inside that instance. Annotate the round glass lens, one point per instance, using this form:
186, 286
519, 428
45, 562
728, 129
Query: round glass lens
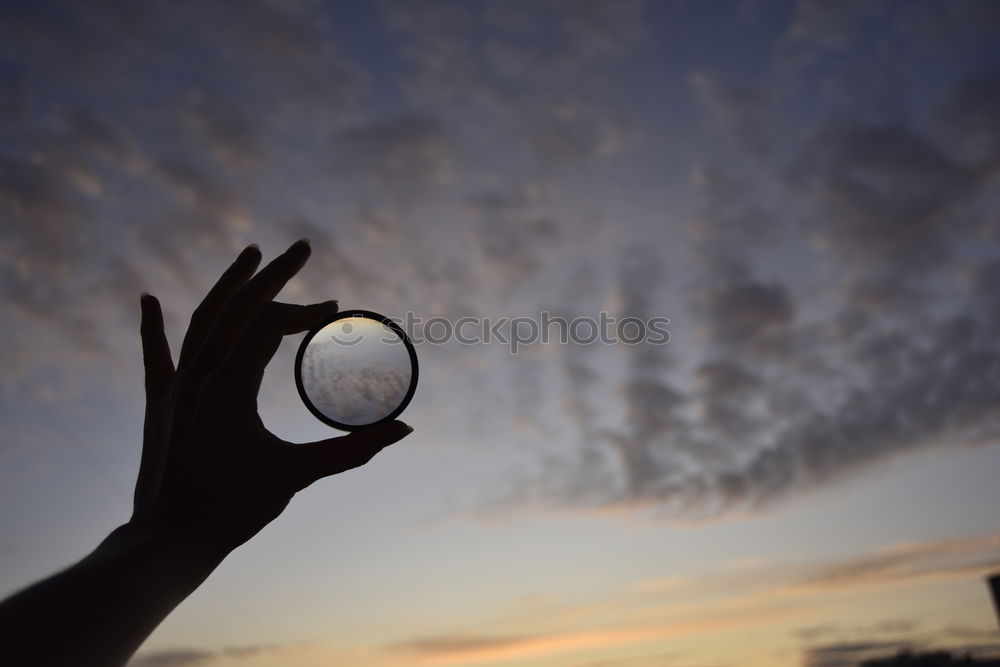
356, 370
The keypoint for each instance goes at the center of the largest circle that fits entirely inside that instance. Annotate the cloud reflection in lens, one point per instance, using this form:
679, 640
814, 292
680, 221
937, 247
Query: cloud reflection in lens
356, 370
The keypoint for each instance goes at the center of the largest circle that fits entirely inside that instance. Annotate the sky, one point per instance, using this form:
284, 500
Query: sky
804, 475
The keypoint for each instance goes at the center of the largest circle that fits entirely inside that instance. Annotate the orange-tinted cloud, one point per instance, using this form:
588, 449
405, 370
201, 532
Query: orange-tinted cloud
906, 563
469, 648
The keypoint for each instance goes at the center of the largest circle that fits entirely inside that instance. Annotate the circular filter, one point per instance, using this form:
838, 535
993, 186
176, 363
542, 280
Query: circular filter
356, 369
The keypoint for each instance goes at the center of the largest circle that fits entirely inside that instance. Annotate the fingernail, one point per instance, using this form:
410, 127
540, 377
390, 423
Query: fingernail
305, 240
254, 246
144, 296
409, 429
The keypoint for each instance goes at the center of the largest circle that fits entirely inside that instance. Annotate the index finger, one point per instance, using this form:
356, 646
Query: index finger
248, 302
205, 315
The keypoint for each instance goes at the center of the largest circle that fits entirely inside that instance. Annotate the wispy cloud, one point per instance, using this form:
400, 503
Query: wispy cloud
909, 563
768, 595
472, 171
802, 376
447, 649
183, 657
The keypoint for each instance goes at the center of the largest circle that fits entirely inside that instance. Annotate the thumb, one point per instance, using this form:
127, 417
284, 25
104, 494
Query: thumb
323, 458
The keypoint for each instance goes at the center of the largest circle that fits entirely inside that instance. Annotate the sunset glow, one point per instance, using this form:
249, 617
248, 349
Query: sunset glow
808, 191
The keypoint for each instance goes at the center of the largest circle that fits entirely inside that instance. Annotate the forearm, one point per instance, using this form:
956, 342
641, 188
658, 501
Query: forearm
97, 612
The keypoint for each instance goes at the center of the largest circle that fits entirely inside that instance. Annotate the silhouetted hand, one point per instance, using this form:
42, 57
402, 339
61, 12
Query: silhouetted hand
211, 475
210, 469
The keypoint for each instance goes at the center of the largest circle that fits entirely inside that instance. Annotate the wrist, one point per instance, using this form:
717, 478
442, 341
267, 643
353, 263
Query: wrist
162, 545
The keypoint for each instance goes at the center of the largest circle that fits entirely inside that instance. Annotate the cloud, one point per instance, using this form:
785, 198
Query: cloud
228, 130
968, 120
565, 134
473, 648
890, 626
965, 633
357, 384
197, 189
16, 100
883, 194
541, 89
741, 112
512, 233
828, 25
440, 50
105, 167
746, 312
837, 309
446, 645
172, 658
834, 299
578, 373
586, 33
850, 654
788, 591
182, 657
335, 271
908, 563
402, 156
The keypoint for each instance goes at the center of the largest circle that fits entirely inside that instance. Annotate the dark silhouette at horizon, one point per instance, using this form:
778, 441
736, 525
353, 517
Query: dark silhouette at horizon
906, 658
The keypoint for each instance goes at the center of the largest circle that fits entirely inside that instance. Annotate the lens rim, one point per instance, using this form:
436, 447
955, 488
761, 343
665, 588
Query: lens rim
367, 314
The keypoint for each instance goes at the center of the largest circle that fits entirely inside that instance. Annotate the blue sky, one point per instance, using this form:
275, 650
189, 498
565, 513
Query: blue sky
807, 190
